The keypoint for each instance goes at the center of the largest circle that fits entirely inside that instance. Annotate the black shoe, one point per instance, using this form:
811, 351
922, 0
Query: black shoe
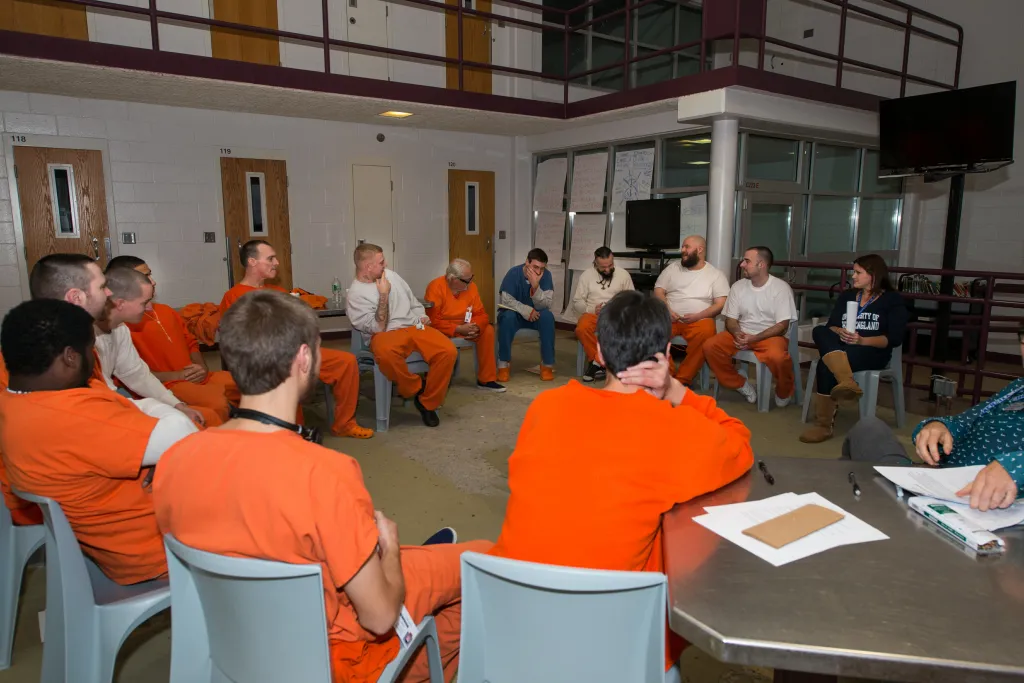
443, 537
591, 371
490, 386
430, 417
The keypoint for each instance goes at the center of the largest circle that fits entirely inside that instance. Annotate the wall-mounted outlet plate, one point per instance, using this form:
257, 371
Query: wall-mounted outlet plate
210, 237
501, 234
128, 238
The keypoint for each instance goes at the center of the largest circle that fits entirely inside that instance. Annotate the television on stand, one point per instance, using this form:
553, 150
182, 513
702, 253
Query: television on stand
653, 224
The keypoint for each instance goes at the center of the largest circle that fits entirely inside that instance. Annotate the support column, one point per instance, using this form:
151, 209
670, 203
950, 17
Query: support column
725, 147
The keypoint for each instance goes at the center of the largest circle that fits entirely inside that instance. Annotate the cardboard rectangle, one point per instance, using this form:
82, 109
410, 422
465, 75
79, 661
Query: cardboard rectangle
793, 526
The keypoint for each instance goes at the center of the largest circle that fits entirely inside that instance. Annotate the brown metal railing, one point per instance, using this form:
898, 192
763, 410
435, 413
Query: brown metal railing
155, 16
983, 325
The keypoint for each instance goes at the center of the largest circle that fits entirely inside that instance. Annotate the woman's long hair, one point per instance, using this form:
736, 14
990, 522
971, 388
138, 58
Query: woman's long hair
874, 265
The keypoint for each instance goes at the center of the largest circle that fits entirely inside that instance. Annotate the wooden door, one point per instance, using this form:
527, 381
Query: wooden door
471, 227
256, 207
476, 46
246, 46
45, 17
63, 203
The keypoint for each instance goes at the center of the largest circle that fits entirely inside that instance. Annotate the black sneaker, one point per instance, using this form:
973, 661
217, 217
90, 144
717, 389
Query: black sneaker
430, 417
443, 536
490, 386
590, 374
600, 374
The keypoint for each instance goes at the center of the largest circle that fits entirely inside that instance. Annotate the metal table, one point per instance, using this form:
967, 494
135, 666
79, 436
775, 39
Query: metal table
917, 607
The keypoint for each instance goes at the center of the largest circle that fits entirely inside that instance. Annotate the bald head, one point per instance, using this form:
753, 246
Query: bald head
693, 251
74, 278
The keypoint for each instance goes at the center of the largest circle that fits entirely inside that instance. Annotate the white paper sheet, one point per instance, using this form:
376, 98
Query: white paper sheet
589, 177
729, 521
587, 235
693, 216
550, 234
944, 483
632, 180
549, 190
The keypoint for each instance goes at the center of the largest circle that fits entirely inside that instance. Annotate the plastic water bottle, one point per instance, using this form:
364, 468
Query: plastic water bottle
336, 292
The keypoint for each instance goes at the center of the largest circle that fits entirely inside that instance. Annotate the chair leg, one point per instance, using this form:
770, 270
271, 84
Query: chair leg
869, 400
764, 386
796, 378
328, 402
10, 585
382, 391
581, 360
899, 399
809, 391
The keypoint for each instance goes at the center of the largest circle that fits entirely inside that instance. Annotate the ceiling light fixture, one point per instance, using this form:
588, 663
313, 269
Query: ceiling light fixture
395, 114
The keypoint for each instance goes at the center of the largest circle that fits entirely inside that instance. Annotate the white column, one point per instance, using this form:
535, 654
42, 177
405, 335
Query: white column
725, 147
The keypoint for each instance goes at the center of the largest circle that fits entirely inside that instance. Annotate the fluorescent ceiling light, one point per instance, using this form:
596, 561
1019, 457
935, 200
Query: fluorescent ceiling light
395, 114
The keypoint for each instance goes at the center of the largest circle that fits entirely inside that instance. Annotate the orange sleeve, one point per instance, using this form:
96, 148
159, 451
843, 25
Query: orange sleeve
343, 511
121, 433
436, 295
230, 297
479, 312
190, 340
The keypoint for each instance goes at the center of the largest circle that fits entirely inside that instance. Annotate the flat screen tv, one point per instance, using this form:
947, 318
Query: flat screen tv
653, 224
956, 131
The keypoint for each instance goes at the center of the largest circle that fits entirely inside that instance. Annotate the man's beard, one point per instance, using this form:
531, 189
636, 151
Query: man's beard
85, 372
606, 278
690, 261
311, 384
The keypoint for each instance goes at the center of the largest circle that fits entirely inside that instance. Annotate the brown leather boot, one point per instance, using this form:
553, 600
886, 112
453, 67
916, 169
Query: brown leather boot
846, 390
825, 408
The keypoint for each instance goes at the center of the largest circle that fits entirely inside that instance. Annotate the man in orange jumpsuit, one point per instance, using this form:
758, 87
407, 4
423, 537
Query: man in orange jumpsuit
459, 312
382, 307
298, 502
338, 369
173, 354
594, 498
89, 449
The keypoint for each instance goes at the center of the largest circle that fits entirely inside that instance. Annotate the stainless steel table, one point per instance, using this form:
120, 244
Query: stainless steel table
917, 607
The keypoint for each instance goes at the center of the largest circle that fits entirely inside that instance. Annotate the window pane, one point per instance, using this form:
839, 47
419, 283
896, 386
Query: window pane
65, 210
772, 158
831, 224
872, 184
652, 70
654, 24
770, 226
879, 224
835, 168
687, 161
553, 56
471, 211
819, 305
612, 26
607, 52
558, 17
256, 204
687, 61
688, 23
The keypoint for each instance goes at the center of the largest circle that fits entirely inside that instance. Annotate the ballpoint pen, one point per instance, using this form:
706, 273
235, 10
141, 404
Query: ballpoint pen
853, 480
764, 470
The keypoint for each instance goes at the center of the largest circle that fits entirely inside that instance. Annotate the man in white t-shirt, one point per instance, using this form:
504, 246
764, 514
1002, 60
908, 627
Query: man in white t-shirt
757, 317
695, 292
596, 287
381, 306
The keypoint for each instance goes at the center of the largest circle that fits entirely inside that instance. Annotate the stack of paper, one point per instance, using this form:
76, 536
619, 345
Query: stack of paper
944, 484
729, 521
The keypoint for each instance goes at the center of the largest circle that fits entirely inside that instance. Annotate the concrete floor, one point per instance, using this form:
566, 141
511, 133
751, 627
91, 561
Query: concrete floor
457, 478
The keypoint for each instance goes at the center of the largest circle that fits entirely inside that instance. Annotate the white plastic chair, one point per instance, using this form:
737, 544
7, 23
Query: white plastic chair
764, 375
523, 621
383, 388
868, 381
88, 616
17, 543
258, 621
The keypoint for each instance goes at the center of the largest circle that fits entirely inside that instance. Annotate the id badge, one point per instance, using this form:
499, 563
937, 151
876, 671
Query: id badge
1014, 407
405, 627
469, 316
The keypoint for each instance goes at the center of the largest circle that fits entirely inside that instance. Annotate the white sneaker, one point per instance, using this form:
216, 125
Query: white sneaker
749, 392
783, 402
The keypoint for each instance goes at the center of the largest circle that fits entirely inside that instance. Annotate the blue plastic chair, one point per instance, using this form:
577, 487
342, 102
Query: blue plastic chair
523, 621
258, 621
88, 616
17, 543
764, 375
383, 388
460, 344
869, 381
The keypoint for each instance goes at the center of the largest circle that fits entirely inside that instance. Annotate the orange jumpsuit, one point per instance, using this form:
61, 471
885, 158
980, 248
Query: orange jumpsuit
586, 332
277, 497
92, 465
594, 497
449, 311
773, 352
23, 513
163, 342
338, 369
696, 335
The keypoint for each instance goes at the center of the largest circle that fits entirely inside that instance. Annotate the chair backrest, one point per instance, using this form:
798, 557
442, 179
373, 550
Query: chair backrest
245, 619
896, 360
794, 339
523, 621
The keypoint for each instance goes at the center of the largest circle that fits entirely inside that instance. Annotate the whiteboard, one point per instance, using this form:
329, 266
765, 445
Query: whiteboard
693, 216
550, 234
549, 190
587, 235
632, 180
589, 175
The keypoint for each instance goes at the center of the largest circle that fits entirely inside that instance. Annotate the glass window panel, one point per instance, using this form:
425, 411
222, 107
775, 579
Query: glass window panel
654, 24
686, 161
553, 56
612, 26
772, 158
872, 183
818, 304
688, 24
606, 52
831, 228
653, 70
878, 227
687, 61
770, 226
835, 168
558, 17
471, 209
64, 206
256, 205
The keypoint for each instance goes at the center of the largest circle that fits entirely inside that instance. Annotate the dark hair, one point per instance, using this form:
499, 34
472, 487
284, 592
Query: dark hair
602, 252
125, 283
765, 254
34, 333
125, 261
631, 328
54, 275
260, 335
365, 251
251, 249
875, 266
536, 254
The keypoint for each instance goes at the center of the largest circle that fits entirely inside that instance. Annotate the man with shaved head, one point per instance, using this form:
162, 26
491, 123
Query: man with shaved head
459, 312
695, 292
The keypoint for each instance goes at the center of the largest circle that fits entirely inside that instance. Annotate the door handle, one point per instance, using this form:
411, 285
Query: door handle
488, 245
96, 249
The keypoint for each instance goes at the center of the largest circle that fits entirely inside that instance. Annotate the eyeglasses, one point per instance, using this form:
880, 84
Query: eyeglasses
465, 281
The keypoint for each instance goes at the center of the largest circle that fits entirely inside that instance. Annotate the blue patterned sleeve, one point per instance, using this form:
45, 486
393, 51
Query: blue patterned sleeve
1014, 464
959, 425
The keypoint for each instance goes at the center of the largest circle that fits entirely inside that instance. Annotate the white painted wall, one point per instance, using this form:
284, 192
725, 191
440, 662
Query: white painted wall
165, 180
